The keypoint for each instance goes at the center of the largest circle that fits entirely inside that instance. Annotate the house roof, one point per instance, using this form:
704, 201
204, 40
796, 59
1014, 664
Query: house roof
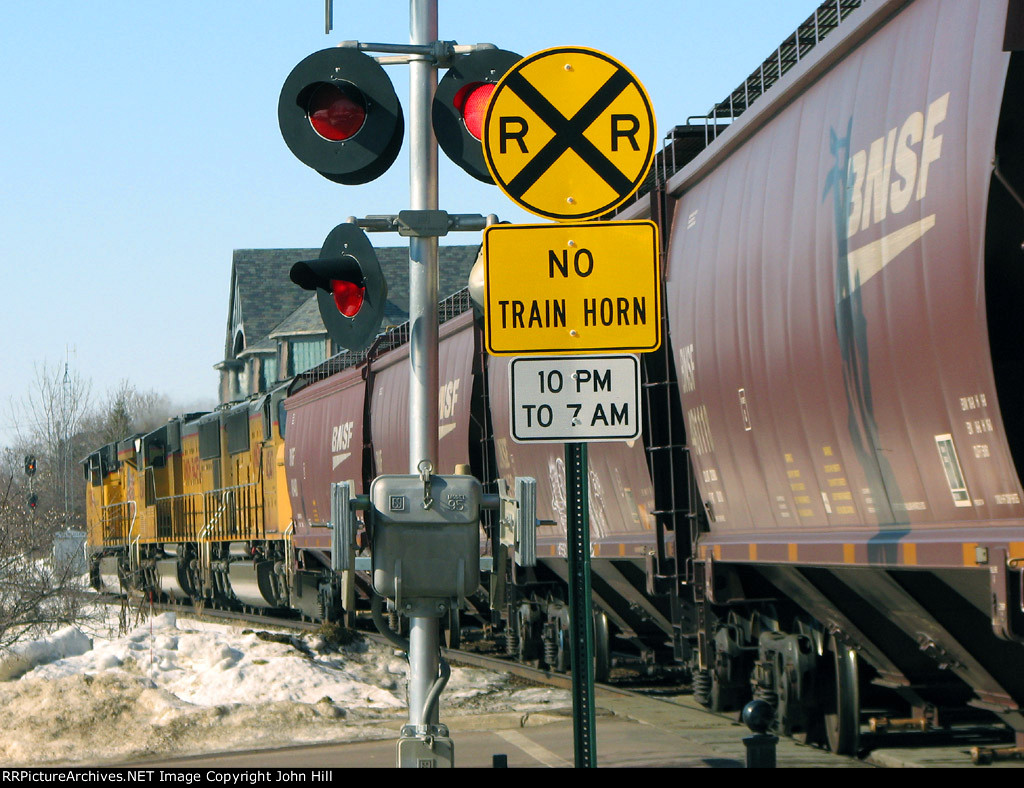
262, 291
304, 320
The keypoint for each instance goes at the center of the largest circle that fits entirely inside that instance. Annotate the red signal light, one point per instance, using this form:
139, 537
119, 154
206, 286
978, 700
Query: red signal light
459, 108
471, 102
348, 296
351, 291
336, 112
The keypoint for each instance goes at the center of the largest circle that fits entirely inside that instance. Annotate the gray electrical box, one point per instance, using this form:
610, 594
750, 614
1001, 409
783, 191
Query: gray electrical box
426, 538
426, 752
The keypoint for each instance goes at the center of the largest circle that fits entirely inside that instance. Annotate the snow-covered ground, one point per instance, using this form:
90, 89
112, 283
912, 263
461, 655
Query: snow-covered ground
171, 685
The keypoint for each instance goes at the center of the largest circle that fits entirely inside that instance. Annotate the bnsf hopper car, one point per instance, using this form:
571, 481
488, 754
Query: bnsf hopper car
844, 287
825, 510
353, 426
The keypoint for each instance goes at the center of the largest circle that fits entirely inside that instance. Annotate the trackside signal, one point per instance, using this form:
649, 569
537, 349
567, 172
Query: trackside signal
339, 114
350, 287
460, 103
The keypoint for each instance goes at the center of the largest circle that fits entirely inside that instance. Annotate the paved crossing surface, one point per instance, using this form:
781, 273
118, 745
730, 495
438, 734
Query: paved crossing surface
631, 732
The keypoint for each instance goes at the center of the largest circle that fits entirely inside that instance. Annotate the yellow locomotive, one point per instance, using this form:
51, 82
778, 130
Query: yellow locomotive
196, 509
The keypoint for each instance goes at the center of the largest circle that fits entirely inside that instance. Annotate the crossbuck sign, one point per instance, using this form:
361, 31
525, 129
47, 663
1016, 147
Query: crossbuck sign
569, 133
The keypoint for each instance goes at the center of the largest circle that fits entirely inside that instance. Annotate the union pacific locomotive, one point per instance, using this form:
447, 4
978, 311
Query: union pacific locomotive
825, 510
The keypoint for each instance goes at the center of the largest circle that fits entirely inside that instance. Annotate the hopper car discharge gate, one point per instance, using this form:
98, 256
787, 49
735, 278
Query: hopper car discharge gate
425, 559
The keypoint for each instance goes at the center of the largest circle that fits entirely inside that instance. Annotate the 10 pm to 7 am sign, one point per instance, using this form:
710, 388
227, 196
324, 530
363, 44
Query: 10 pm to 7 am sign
572, 288
566, 399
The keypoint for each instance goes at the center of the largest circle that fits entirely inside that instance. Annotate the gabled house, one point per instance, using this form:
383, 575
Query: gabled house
274, 329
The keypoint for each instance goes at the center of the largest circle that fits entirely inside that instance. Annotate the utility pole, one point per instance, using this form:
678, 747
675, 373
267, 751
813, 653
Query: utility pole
424, 638
339, 115
65, 438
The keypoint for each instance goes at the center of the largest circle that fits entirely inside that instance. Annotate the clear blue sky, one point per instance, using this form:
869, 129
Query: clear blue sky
139, 146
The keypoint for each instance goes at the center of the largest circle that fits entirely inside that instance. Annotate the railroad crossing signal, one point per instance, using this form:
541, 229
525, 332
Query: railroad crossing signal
350, 287
339, 114
590, 287
569, 133
460, 101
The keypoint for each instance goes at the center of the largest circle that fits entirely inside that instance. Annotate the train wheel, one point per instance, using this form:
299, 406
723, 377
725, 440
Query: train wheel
842, 716
452, 628
531, 644
602, 649
719, 698
786, 708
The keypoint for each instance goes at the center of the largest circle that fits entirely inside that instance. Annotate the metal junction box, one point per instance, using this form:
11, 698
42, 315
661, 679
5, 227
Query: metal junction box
432, 751
426, 538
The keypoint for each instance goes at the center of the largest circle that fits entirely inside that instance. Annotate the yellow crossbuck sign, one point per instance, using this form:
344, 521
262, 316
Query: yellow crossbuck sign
569, 133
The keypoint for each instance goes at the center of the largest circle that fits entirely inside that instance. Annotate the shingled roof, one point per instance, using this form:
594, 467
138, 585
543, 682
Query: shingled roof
262, 292
454, 264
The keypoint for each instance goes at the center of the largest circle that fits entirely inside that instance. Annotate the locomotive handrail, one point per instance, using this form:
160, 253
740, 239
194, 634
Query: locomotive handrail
227, 507
119, 504
222, 495
116, 503
234, 487
176, 497
289, 547
208, 492
203, 536
133, 544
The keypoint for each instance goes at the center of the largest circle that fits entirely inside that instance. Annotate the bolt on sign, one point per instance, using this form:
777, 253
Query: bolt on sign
569, 133
591, 287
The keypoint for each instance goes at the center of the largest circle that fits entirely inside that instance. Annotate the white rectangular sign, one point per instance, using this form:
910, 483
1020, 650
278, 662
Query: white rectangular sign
575, 399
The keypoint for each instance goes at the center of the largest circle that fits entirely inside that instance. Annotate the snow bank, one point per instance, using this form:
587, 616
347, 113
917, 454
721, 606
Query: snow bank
173, 686
22, 657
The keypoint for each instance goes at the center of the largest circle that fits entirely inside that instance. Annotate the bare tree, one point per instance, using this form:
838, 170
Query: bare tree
37, 594
125, 412
56, 423
47, 423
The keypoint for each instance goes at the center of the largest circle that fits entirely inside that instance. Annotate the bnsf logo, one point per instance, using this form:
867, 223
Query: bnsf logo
447, 396
341, 436
894, 168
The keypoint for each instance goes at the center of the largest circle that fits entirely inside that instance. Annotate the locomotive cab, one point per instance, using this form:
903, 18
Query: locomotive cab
106, 517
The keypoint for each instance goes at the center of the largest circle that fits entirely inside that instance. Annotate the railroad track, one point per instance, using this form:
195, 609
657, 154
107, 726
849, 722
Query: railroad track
957, 743
459, 657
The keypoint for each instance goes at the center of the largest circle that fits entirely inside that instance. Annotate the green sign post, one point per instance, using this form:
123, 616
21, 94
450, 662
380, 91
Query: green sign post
581, 618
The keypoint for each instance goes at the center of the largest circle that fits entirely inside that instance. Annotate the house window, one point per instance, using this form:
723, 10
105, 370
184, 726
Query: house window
268, 374
305, 353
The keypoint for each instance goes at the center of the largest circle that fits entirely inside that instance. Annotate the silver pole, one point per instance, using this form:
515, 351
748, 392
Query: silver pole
424, 642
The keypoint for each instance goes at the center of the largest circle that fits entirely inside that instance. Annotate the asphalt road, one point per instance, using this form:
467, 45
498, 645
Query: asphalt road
630, 732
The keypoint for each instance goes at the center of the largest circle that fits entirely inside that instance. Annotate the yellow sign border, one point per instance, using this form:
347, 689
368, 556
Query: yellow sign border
576, 348
550, 214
